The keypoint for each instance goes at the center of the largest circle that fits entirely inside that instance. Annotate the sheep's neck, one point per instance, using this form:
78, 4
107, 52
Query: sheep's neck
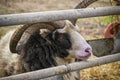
62, 61
71, 75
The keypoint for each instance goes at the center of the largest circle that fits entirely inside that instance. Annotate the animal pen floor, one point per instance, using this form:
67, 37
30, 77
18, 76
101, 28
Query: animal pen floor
90, 28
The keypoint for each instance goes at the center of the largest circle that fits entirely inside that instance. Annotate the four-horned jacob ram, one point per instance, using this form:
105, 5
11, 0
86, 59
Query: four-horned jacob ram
42, 45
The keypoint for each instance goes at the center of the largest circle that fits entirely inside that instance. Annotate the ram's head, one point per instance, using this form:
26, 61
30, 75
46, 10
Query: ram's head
63, 32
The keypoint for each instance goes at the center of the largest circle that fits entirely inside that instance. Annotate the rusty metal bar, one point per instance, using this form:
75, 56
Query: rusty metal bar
25, 18
64, 68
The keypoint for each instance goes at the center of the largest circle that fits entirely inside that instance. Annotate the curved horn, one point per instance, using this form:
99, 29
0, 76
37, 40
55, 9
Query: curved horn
82, 4
23, 33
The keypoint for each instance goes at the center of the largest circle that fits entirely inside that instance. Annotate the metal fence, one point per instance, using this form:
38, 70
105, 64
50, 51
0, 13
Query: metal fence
25, 18
48, 16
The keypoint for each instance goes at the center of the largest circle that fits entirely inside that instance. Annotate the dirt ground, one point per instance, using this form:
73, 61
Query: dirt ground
90, 28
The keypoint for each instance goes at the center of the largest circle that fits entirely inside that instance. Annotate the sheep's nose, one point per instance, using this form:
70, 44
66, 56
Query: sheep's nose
88, 50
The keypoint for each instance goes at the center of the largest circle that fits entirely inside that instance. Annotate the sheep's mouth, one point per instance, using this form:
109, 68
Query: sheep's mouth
84, 57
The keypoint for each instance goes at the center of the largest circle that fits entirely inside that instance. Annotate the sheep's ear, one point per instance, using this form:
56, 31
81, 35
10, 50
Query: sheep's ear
69, 24
44, 32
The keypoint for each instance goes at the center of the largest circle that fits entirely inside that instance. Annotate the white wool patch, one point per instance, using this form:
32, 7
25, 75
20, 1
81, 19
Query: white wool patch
5, 53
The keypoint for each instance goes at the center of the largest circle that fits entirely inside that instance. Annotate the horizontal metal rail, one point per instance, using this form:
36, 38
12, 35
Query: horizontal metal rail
25, 18
64, 68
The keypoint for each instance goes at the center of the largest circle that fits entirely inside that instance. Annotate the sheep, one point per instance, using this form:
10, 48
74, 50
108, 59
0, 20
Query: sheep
28, 48
34, 51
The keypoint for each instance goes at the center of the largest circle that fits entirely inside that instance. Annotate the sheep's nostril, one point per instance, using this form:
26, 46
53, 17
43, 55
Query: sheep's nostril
88, 50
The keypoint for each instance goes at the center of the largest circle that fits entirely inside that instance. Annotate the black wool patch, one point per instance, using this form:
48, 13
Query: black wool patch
62, 40
40, 52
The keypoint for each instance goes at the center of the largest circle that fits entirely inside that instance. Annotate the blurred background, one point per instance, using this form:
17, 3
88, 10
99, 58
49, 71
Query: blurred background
90, 28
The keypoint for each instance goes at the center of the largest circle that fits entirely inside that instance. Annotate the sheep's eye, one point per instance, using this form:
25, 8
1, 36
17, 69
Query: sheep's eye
62, 40
61, 37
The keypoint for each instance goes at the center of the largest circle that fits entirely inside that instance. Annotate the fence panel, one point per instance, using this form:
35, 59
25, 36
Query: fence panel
44, 73
25, 18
